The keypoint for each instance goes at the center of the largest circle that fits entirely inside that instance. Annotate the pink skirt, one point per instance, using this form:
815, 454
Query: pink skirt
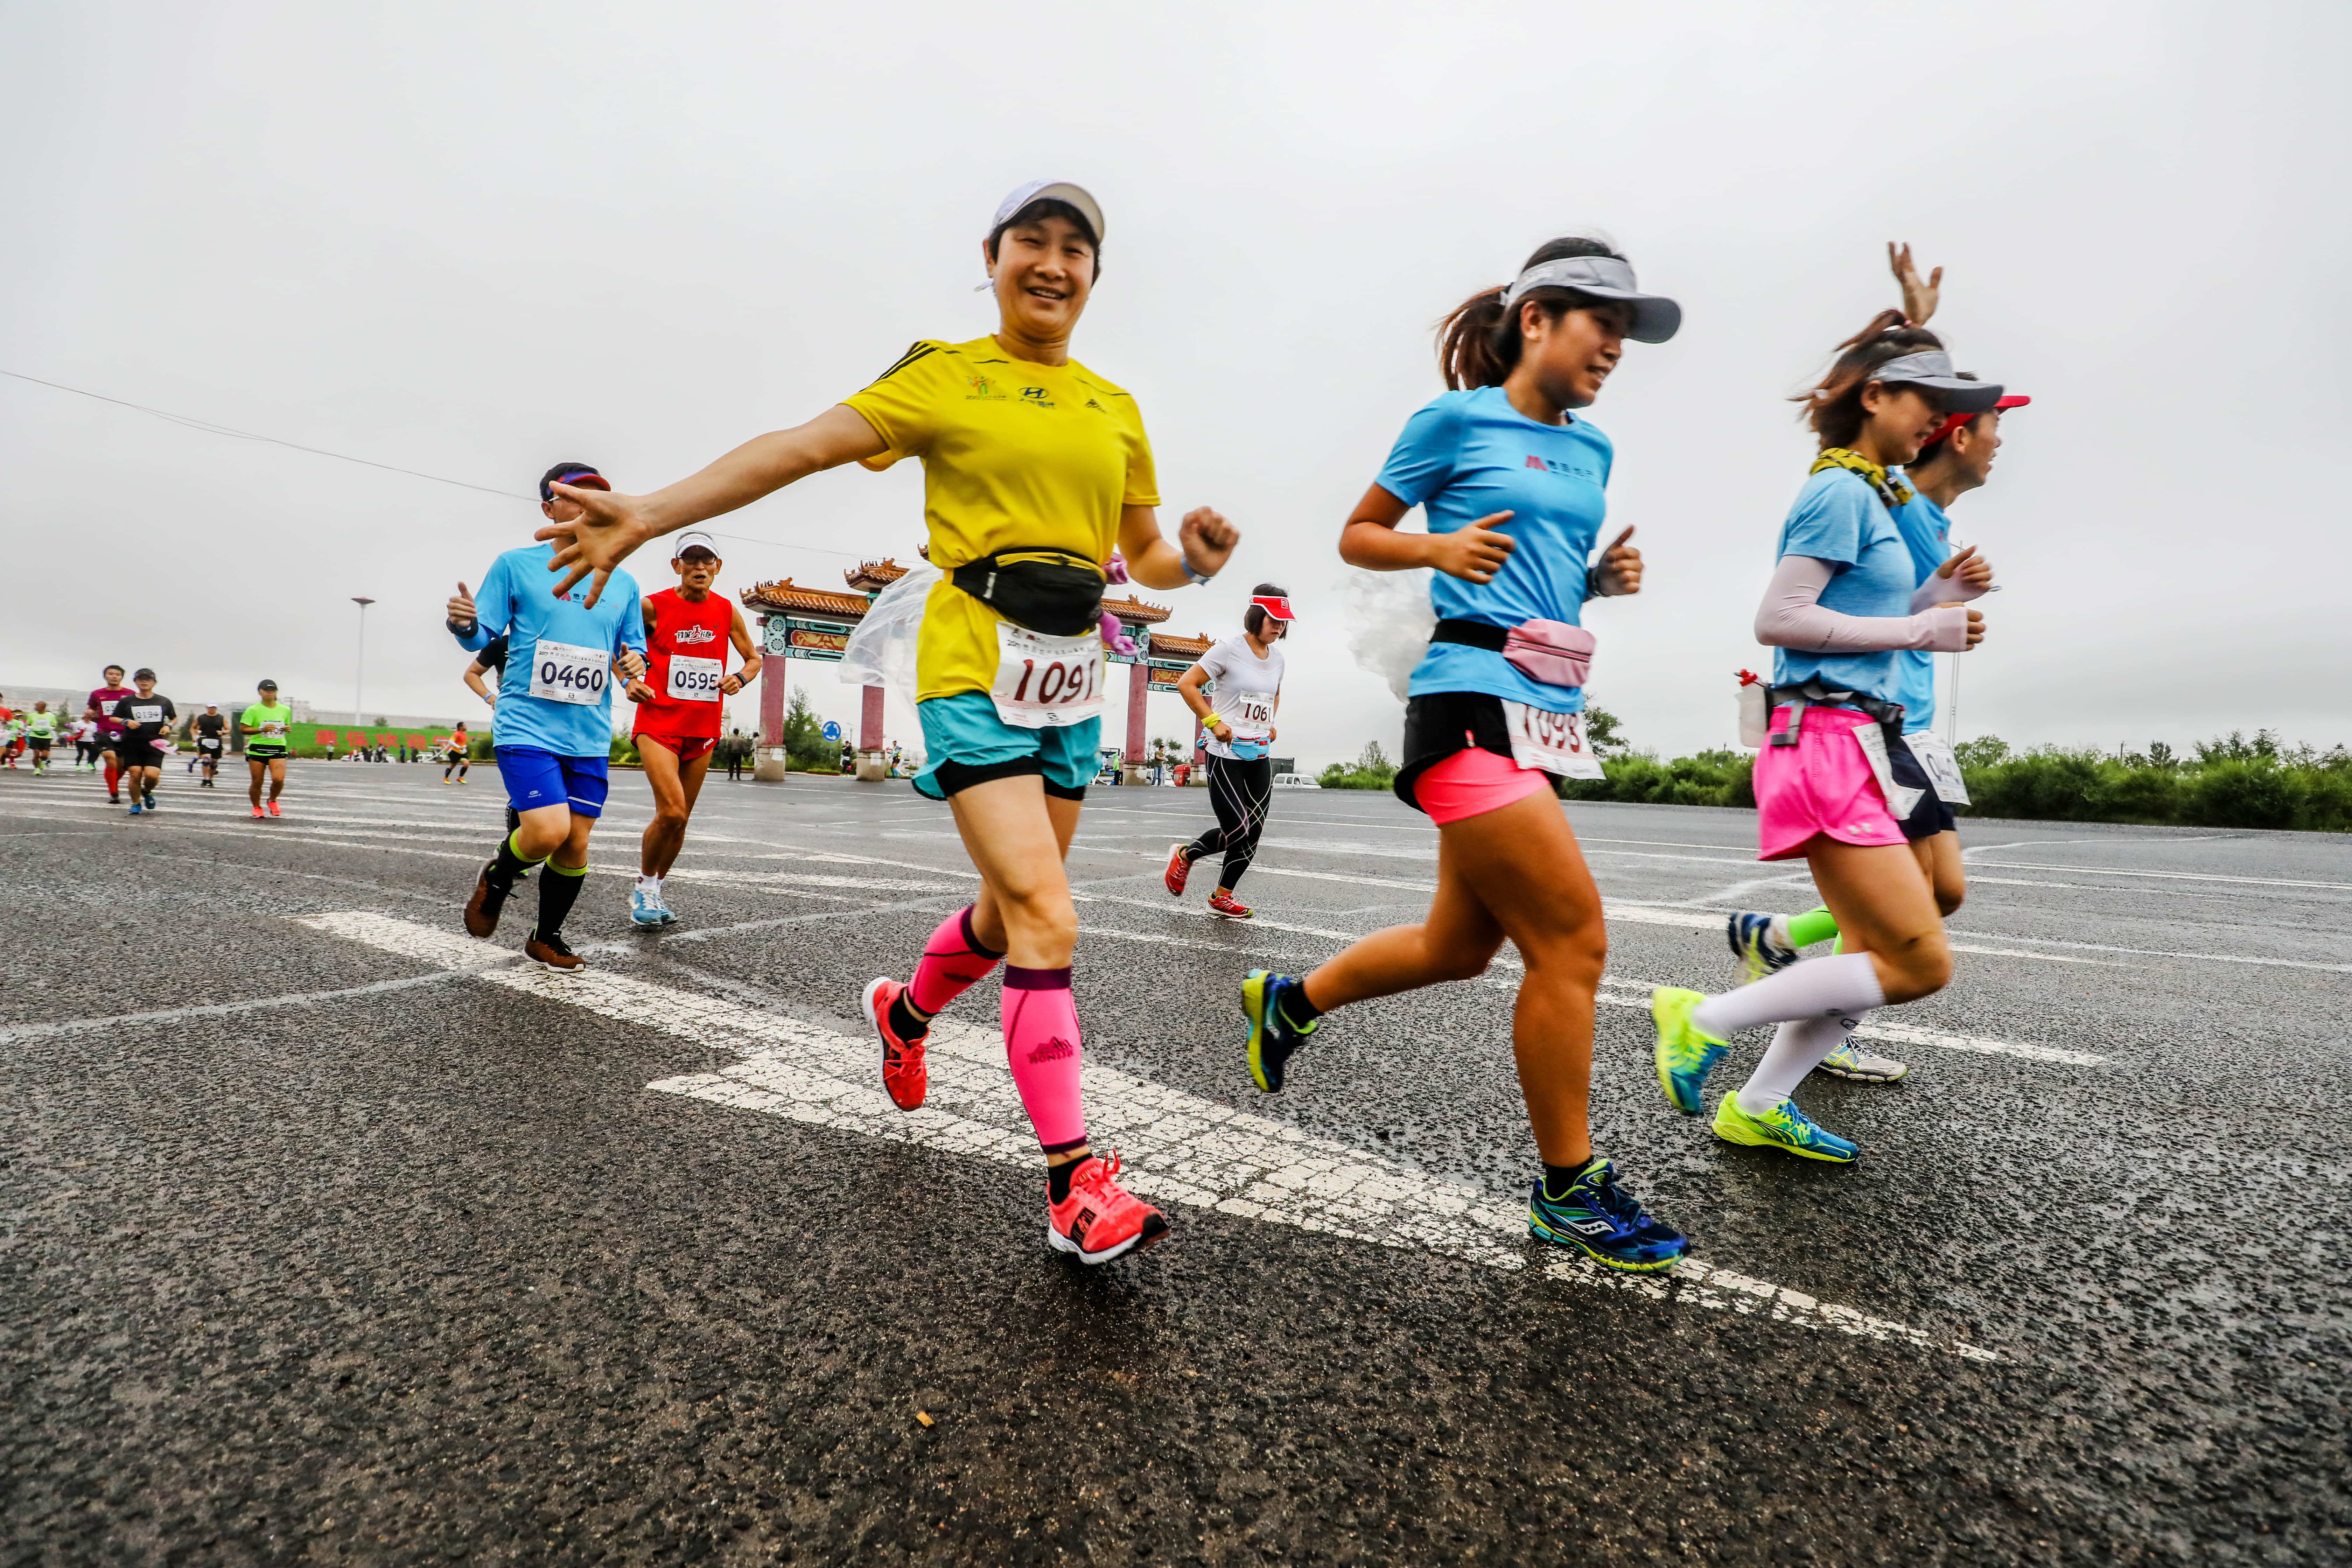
1822, 785
1472, 781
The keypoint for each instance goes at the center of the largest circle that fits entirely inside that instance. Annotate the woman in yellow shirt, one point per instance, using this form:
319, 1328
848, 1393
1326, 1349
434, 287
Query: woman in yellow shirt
1034, 468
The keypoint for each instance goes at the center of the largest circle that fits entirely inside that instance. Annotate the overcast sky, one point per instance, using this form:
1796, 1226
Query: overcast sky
474, 239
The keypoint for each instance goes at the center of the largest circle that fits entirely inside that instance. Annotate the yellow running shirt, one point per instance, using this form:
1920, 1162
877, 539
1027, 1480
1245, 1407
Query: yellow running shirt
1015, 455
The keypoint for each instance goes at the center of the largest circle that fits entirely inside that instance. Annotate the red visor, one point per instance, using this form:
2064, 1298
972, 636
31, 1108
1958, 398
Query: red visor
1954, 421
1278, 607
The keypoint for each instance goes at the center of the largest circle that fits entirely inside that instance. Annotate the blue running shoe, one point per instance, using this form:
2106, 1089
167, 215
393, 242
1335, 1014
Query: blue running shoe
644, 908
1604, 1222
1760, 948
1685, 1053
135, 807
1785, 1128
1272, 1035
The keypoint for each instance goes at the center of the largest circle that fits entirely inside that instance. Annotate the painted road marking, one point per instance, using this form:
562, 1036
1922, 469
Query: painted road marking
2169, 876
1188, 1151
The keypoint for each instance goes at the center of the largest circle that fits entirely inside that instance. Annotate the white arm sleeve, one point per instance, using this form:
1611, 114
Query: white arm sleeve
1791, 616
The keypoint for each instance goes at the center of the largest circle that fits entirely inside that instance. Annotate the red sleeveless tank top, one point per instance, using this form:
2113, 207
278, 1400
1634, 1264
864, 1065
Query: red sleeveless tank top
685, 658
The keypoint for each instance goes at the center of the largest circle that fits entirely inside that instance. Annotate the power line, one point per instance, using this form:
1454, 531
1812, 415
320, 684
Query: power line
212, 429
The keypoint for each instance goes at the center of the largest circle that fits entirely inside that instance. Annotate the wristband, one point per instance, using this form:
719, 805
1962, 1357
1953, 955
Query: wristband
1199, 577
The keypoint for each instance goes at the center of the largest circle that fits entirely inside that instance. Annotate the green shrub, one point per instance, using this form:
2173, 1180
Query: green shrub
1709, 778
1370, 770
805, 748
2253, 793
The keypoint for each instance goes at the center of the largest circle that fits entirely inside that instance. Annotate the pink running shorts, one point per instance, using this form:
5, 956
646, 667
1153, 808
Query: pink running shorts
1822, 785
1473, 781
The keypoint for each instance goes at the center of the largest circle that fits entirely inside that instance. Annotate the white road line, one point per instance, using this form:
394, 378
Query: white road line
11, 1033
1188, 1149
2166, 876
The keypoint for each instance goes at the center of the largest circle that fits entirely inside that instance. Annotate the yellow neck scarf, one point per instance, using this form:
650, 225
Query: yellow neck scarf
1892, 491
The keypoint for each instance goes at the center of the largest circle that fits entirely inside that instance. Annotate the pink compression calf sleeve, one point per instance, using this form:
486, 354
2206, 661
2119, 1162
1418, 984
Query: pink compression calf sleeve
952, 960
1040, 1039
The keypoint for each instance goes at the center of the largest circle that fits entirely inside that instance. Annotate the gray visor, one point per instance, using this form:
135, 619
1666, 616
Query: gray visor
1932, 369
1655, 318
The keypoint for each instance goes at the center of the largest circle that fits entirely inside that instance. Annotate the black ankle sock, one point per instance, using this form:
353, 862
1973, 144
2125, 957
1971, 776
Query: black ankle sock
1297, 1010
558, 891
509, 867
905, 1022
1057, 1179
1558, 1179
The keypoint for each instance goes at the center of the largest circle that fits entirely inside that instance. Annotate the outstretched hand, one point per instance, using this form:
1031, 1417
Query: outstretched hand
595, 544
1967, 566
1918, 298
1619, 570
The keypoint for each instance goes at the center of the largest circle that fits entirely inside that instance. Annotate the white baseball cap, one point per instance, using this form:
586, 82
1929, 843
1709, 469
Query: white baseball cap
1048, 190
688, 539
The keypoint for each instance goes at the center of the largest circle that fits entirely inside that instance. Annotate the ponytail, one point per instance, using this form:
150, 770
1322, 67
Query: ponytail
1834, 407
1478, 343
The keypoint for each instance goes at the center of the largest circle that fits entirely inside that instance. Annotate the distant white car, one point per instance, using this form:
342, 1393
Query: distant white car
1295, 781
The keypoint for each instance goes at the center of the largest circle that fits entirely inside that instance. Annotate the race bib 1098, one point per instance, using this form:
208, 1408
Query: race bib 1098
1549, 742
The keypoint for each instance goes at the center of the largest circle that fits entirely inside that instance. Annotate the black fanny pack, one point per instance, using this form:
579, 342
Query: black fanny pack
1888, 716
1049, 591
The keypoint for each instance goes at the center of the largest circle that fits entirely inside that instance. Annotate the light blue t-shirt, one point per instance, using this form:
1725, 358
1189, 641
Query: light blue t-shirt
1839, 518
518, 597
1470, 453
1926, 533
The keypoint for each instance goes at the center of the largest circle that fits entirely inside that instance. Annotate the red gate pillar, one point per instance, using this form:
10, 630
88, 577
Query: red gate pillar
869, 735
1139, 692
768, 760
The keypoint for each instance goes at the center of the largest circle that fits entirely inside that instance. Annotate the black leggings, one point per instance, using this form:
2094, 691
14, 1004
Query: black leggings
1240, 793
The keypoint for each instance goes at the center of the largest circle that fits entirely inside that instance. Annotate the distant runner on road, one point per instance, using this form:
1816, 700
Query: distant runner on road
1247, 672
40, 734
212, 737
456, 751
147, 716
688, 632
268, 726
554, 732
103, 702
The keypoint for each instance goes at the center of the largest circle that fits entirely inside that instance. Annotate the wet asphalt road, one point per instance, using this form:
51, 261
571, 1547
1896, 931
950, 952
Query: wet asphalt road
358, 1254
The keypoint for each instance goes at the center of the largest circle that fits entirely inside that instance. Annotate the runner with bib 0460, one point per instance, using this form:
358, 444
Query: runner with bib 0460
554, 733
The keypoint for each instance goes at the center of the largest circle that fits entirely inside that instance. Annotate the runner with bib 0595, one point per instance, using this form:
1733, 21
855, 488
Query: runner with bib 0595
1512, 482
1034, 468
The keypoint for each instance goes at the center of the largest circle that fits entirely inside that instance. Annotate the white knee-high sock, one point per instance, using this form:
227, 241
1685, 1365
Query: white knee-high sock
1798, 1045
1818, 988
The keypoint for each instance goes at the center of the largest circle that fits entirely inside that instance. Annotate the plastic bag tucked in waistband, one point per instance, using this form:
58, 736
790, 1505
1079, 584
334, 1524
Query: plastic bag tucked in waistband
1388, 621
881, 650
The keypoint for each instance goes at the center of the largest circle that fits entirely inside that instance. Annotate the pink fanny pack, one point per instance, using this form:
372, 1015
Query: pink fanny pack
1553, 652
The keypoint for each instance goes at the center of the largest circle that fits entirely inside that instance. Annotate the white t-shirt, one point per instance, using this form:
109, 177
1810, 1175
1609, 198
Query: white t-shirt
1247, 686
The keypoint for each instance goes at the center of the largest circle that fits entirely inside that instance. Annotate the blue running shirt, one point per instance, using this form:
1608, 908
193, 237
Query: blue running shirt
1926, 533
1470, 453
517, 598
1839, 519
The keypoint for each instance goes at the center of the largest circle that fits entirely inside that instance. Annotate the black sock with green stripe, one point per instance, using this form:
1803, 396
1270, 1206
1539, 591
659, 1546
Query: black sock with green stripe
1558, 1179
558, 891
512, 866
1290, 1001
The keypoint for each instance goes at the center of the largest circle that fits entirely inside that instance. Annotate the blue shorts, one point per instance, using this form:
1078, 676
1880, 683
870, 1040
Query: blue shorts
535, 778
966, 744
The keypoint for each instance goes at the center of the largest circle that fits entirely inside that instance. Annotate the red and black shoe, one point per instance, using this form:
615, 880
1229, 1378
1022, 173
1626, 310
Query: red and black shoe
1180, 868
1101, 1220
906, 1076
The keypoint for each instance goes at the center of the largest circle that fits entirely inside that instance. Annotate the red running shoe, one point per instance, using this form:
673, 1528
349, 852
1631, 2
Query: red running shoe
273, 809
904, 1075
1179, 870
1229, 907
1101, 1220
258, 811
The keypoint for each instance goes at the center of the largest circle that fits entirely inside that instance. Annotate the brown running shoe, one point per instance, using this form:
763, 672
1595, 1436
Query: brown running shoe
482, 908
549, 953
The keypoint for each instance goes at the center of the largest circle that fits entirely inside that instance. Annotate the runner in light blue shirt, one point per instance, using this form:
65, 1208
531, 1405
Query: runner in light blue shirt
554, 733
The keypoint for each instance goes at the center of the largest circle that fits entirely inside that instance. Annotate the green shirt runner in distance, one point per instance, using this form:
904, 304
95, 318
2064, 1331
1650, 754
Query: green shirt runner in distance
266, 727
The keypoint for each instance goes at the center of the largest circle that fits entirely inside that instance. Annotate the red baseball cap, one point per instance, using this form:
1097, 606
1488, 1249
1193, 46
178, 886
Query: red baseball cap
1954, 421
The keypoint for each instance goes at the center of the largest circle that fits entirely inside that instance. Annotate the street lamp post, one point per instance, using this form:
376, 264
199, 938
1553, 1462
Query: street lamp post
359, 672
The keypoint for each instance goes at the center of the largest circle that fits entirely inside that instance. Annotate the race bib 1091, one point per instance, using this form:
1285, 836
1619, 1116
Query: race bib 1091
1046, 682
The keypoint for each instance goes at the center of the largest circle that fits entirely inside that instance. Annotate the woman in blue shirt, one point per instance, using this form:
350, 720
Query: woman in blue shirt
1834, 783
1511, 482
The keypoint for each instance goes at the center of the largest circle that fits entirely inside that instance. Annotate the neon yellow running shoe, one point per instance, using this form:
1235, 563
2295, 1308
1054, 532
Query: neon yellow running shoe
1785, 1128
1685, 1053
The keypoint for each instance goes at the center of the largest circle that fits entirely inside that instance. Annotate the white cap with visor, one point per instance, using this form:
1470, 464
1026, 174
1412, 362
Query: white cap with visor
1655, 317
1932, 368
1042, 191
690, 539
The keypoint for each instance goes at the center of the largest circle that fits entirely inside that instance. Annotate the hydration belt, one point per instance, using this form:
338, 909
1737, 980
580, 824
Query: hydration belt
1472, 633
1888, 715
